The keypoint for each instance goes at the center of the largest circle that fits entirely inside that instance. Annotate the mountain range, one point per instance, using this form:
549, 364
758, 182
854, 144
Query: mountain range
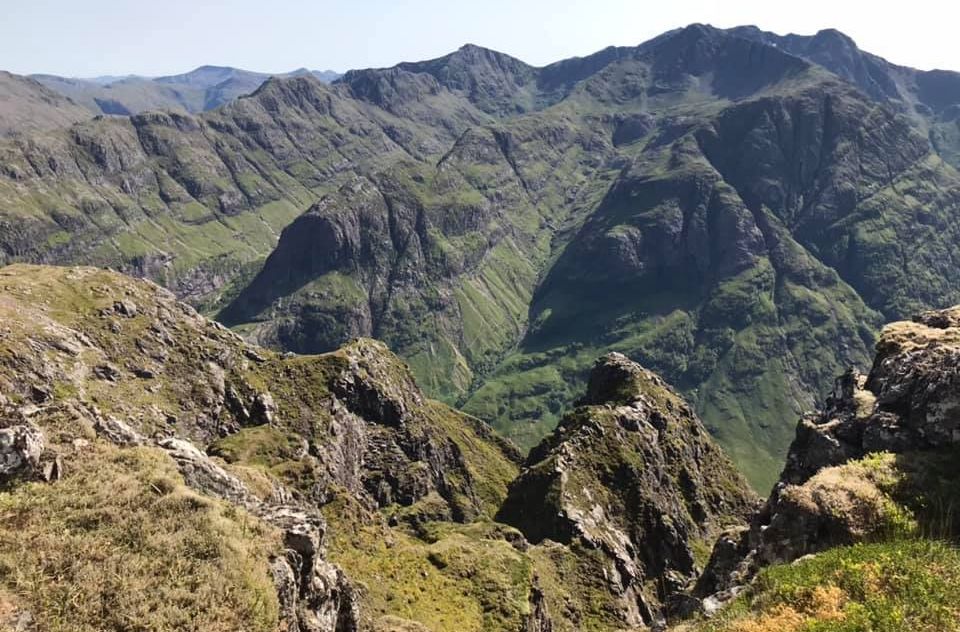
736, 210
204, 88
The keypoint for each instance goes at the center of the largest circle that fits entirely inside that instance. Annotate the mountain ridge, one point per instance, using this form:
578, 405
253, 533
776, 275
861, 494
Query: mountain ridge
463, 211
28, 107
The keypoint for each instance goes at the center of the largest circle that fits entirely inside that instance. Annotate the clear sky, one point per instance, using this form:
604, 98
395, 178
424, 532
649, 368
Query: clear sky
155, 37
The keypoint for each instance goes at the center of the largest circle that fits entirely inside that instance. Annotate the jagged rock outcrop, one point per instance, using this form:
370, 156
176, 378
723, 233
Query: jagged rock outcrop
908, 401
633, 474
315, 595
858, 468
272, 437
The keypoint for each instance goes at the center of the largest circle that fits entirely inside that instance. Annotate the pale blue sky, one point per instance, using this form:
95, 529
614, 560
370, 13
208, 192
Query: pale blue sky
153, 37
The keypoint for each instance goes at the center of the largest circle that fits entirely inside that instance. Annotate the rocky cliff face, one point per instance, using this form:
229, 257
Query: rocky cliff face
876, 462
632, 474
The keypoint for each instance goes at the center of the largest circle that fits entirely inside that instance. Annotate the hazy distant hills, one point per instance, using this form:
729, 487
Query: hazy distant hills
199, 90
26, 106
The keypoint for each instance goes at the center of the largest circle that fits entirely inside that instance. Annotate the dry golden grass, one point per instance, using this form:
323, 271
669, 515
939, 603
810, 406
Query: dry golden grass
121, 544
855, 496
824, 603
908, 335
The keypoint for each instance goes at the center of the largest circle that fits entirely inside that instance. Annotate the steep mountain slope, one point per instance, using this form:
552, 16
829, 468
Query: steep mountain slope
931, 97
192, 201
27, 107
204, 88
632, 473
734, 216
113, 394
155, 468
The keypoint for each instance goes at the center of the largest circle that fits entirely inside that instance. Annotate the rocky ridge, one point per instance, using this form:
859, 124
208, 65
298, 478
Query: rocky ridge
349, 501
632, 474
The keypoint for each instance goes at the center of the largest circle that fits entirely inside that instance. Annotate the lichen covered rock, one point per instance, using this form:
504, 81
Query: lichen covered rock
20, 450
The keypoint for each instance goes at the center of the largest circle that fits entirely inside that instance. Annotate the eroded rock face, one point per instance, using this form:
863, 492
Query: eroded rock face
633, 473
829, 493
909, 401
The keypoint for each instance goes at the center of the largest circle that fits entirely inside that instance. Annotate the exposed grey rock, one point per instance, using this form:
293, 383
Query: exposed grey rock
539, 618
634, 475
117, 431
202, 474
327, 603
263, 409
125, 307
20, 449
909, 402
315, 595
52, 468
107, 372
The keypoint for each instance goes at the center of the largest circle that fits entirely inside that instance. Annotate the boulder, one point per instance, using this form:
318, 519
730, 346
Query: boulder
830, 493
21, 447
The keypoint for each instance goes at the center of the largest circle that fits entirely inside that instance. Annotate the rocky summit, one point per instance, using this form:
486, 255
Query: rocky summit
632, 474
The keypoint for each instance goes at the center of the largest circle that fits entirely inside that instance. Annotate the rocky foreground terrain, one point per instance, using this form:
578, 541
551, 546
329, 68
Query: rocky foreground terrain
160, 473
143, 445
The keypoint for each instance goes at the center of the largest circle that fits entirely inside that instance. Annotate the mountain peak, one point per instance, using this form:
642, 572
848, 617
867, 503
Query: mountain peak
832, 34
474, 48
211, 68
491, 80
616, 379
468, 54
